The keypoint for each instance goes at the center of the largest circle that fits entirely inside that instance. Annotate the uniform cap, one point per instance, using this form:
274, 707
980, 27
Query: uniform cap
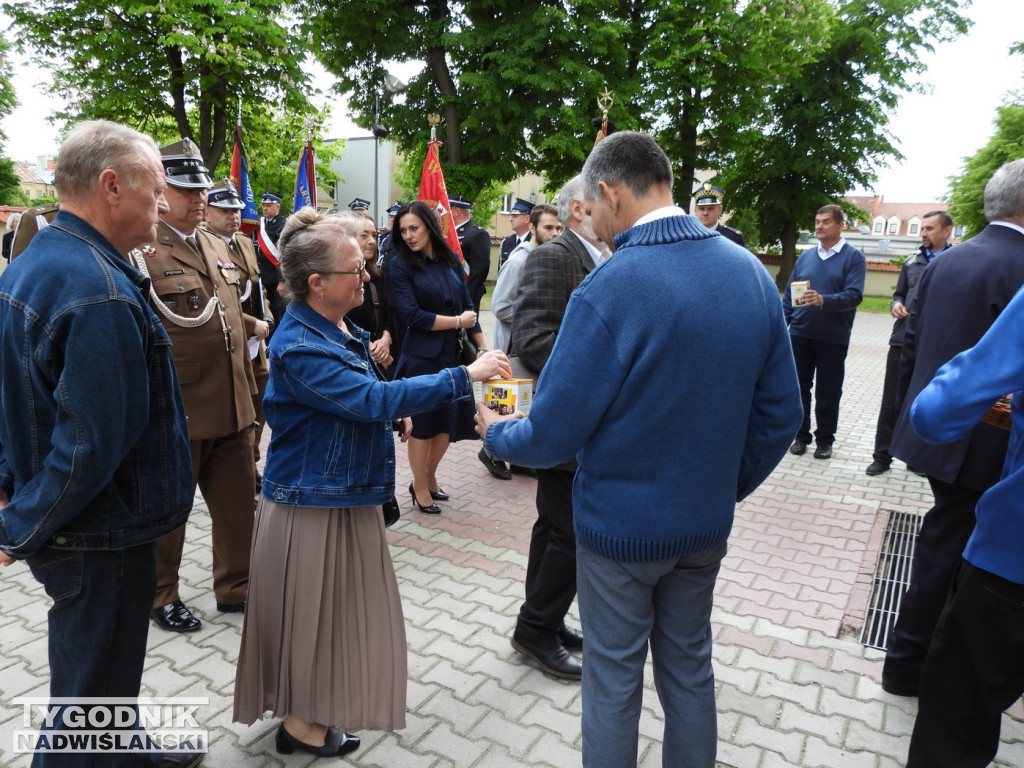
709, 195
521, 206
183, 165
224, 195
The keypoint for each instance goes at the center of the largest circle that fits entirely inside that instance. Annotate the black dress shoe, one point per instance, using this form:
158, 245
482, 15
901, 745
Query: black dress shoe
496, 467
515, 469
571, 638
823, 452
553, 658
336, 743
798, 448
231, 607
433, 509
175, 617
181, 759
876, 468
439, 495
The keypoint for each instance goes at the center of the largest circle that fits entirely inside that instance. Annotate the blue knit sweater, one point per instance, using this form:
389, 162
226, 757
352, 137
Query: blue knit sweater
675, 405
951, 405
840, 281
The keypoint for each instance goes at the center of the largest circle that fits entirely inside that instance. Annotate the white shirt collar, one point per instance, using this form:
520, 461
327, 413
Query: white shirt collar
594, 251
823, 254
1009, 224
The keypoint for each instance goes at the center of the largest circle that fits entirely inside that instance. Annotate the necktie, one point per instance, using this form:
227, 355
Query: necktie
193, 244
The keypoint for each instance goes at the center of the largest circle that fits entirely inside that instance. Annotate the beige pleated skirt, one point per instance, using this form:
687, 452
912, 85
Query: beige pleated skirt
324, 636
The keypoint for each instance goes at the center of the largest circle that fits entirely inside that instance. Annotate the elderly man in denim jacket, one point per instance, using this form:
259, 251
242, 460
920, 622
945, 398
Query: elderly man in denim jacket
94, 456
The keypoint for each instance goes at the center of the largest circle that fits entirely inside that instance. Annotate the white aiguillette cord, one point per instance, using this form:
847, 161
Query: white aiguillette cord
163, 309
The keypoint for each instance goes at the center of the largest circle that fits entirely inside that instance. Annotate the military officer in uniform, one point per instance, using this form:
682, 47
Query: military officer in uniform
519, 219
265, 240
195, 290
476, 247
708, 208
223, 218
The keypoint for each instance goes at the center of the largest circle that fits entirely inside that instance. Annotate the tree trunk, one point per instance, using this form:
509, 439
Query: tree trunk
788, 238
437, 12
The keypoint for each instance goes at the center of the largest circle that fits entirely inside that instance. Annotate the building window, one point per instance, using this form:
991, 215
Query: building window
878, 228
893, 227
913, 229
507, 202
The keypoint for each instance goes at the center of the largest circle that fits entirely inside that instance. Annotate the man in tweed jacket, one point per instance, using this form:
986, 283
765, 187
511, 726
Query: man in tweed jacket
550, 275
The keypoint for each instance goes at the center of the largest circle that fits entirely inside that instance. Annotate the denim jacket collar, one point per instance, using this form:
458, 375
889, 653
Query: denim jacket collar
68, 222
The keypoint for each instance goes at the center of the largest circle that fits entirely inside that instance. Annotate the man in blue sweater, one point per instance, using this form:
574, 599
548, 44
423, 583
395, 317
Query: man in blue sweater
975, 664
820, 323
675, 406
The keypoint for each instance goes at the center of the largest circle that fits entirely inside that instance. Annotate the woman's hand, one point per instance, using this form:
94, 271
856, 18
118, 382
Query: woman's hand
490, 364
467, 319
403, 427
485, 417
380, 350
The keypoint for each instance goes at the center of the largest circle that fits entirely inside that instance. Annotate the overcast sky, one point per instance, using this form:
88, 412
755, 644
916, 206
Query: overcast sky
966, 80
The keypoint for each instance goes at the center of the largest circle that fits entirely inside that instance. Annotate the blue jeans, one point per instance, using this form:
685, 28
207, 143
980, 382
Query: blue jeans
623, 606
98, 625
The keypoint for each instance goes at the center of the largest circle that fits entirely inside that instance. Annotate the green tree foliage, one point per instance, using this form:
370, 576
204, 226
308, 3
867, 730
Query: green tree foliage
10, 185
824, 129
518, 83
8, 98
169, 68
966, 200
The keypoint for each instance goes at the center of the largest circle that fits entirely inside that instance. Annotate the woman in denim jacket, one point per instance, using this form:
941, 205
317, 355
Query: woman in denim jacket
323, 644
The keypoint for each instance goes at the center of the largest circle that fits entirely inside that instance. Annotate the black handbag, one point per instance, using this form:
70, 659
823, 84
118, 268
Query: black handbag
390, 511
467, 349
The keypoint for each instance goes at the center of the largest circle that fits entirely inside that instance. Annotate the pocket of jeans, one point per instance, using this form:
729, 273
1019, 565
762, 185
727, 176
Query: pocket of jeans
58, 570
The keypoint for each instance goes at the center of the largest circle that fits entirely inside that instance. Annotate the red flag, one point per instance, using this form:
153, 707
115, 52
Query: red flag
434, 193
240, 178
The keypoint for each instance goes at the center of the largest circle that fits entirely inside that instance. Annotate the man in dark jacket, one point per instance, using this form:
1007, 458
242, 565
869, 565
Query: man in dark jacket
476, 247
959, 296
936, 227
550, 275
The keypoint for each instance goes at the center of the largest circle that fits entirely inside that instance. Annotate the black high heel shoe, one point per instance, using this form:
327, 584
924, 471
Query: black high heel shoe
439, 495
433, 509
336, 743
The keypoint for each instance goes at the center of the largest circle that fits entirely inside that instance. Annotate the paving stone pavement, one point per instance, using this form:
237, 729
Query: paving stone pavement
795, 688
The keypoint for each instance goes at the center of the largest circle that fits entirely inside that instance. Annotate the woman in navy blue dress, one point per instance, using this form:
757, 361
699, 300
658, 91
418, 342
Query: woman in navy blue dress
432, 299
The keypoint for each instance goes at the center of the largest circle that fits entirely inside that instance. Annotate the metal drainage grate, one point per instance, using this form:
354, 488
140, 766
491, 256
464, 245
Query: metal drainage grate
892, 577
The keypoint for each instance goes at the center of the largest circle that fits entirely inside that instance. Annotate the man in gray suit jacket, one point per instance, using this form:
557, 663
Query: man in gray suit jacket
959, 296
550, 275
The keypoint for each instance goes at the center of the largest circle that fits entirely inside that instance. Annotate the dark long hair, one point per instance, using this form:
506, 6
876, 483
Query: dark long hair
429, 218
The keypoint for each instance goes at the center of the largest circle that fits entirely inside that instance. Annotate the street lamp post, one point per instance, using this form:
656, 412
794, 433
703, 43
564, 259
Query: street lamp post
392, 85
